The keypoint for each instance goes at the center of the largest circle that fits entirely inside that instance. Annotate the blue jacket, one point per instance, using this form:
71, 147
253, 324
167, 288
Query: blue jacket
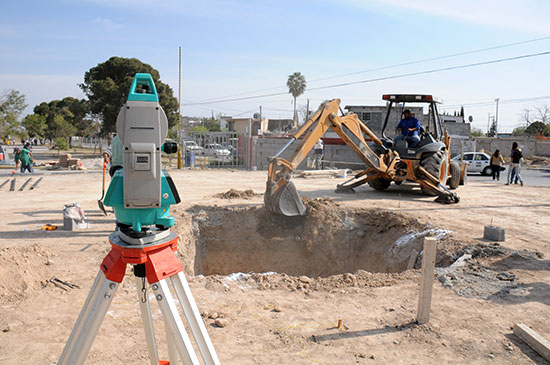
410, 122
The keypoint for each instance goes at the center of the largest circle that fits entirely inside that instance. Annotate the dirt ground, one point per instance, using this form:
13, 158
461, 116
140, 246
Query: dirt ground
272, 291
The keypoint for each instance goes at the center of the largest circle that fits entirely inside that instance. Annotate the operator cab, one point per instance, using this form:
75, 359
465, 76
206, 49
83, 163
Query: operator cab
430, 133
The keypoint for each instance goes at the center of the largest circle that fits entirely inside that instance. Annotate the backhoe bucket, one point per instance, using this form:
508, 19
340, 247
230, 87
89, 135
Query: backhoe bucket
285, 200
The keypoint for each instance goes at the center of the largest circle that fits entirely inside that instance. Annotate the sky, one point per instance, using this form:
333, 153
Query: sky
467, 53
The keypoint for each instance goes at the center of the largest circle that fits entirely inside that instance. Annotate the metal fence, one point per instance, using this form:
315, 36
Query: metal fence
217, 149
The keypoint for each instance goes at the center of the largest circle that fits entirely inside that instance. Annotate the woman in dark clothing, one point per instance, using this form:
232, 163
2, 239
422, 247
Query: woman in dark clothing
496, 161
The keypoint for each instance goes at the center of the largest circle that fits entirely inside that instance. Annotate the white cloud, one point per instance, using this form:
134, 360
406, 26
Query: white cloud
108, 24
527, 15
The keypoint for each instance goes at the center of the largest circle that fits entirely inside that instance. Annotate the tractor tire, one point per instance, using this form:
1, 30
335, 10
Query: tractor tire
380, 184
454, 180
436, 164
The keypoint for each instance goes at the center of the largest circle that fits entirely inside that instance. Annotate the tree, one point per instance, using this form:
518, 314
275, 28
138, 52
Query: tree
35, 125
296, 86
518, 131
462, 111
107, 86
74, 112
538, 128
476, 132
12, 104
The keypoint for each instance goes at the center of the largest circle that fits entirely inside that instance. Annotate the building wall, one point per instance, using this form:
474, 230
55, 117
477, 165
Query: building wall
530, 147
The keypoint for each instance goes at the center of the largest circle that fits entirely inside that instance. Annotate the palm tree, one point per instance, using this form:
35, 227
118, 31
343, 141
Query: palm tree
296, 86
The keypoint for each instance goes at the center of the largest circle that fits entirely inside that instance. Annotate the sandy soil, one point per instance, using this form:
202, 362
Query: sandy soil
277, 317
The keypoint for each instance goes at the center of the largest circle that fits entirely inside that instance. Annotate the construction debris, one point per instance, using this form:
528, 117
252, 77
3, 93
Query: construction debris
58, 283
35, 184
533, 339
25, 184
12, 185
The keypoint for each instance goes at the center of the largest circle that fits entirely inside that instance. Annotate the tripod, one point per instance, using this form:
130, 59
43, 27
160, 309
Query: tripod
155, 262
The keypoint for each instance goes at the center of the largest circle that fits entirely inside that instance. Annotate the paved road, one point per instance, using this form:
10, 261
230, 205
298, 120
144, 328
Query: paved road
530, 177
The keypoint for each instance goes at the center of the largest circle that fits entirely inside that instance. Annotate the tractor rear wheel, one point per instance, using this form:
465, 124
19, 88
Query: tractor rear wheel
454, 180
380, 184
436, 164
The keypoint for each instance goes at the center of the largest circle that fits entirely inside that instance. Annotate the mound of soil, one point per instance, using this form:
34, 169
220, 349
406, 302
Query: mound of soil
236, 194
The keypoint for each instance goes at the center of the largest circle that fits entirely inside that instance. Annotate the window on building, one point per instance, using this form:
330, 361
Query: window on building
365, 117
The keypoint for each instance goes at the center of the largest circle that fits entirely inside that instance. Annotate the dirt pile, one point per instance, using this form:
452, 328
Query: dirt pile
236, 194
329, 240
22, 269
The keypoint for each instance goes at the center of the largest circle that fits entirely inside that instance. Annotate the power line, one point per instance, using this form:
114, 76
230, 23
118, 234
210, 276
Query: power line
492, 102
394, 66
386, 78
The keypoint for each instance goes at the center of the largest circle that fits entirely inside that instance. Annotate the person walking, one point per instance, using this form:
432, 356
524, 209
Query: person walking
26, 159
318, 154
496, 161
516, 159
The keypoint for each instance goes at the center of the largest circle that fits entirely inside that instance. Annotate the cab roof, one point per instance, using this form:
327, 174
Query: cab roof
412, 98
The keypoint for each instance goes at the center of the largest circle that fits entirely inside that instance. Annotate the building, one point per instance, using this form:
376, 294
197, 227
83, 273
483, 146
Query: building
242, 125
224, 124
374, 116
280, 125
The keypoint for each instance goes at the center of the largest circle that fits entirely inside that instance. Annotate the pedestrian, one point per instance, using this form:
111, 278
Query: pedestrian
16, 154
25, 156
496, 161
318, 154
515, 165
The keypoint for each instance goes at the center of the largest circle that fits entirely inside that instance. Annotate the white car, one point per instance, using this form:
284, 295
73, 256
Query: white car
216, 150
477, 162
192, 146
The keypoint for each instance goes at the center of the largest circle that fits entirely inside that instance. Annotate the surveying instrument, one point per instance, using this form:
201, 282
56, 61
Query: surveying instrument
141, 195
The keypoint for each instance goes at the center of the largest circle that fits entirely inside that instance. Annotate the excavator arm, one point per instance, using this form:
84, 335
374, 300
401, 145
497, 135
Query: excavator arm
281, 195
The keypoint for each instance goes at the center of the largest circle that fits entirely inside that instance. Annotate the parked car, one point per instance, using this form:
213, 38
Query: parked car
216, 150
477, 162
192, 146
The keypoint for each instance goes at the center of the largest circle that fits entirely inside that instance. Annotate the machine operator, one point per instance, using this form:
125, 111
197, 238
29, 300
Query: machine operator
408, 129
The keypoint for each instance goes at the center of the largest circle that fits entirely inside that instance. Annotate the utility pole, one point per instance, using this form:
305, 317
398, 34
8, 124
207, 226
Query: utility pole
180, 127
307, 111
260, 116
488, 123
496, 118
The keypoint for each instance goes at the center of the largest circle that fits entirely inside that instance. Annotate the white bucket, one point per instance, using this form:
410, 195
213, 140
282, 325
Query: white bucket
342, 173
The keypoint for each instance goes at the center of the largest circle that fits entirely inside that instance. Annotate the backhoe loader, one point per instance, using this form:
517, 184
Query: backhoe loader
427, 164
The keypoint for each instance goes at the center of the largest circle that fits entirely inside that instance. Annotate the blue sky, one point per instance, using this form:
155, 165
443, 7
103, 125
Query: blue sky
242, 47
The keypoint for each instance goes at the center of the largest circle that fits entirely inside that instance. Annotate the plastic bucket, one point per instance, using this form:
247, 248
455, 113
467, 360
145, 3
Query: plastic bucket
190, 159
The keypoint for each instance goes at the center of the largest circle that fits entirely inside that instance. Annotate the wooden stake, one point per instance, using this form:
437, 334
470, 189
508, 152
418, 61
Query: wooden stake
533, 339
426, 284
412, 259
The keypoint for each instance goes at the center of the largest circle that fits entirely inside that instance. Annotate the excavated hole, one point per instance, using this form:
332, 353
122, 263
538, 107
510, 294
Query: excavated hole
329, 240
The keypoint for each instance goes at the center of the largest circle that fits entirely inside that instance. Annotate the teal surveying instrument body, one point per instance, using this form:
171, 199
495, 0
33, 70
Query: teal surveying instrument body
141, 193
